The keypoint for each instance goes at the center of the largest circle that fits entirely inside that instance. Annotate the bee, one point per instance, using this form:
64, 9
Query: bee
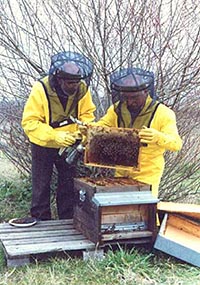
113, 146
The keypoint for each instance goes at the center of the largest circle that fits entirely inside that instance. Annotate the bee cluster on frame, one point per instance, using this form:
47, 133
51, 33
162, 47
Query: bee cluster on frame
112, 147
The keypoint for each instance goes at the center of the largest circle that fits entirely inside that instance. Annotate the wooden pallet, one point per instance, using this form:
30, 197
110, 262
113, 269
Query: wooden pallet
19, 244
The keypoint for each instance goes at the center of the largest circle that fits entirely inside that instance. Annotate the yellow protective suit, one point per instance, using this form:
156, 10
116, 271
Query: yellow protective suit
36, 117
151, 157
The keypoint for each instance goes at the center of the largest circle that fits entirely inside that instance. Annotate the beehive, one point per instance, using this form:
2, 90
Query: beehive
112, 210
112, 147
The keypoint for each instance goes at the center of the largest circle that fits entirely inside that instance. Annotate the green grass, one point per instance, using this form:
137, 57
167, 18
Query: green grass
15, 199
119, 267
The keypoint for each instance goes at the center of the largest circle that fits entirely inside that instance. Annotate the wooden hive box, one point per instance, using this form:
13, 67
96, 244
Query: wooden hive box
111, 210
179, 233
112, 148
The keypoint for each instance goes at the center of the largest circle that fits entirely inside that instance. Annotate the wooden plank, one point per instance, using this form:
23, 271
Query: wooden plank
124, 209
185, 225
132, 241
40, 240
184, 238
41, 224
130, 168
19, 235
125, 214
87, 222
124, 218
191, 210
27, 249
126, 235
35, 228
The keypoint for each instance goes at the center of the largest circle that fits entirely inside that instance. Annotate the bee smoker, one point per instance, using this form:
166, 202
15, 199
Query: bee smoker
71, 154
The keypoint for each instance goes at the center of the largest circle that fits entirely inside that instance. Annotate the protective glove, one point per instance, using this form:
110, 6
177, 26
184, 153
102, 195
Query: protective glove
83, 128
80, 136
77, 135
83, 131
149, 135
64, 138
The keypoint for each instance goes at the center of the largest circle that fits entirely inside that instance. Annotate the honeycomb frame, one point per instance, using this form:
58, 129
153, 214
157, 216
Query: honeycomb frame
110, 147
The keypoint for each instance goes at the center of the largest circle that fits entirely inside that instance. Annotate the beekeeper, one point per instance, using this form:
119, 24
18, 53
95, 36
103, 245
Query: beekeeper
135, 106
46, 122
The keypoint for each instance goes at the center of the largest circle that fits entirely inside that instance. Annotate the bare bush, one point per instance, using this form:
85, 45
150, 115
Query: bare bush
161, 36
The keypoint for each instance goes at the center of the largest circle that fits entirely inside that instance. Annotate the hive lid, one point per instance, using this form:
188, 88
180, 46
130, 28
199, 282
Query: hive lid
191, 210
124, 198
179, 237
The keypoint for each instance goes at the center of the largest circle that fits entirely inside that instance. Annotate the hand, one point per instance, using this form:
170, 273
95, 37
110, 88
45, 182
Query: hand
82, 134
83, 131
64, 139
83, 128
149, 135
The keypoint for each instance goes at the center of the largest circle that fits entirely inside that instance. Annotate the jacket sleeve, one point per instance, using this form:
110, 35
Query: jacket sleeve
165, 122
109, 119
34, 121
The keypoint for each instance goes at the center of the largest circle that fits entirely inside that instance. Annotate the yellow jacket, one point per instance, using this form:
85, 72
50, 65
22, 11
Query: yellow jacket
36, 121
152, 156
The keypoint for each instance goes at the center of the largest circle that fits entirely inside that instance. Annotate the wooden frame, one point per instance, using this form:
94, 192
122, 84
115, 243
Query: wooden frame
117, 148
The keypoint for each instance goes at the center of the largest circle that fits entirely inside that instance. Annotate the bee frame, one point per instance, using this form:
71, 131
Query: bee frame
110, 147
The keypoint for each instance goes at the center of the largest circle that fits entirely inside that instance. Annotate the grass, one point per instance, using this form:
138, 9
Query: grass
16, 195
119, 267
122, 266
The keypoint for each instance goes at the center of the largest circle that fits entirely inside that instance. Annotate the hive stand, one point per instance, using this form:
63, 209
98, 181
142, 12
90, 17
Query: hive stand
20, 244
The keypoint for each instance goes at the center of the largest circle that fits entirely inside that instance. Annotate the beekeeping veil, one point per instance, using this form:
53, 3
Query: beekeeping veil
131, 80
72, 66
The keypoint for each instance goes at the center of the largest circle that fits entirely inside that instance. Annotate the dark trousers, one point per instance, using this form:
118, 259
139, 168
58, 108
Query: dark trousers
43, 160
